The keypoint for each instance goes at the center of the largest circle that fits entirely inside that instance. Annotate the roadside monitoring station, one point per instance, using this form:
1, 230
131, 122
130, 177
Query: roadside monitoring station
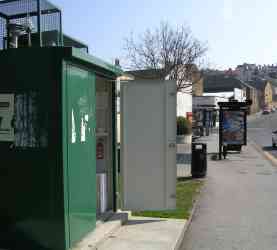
57, 133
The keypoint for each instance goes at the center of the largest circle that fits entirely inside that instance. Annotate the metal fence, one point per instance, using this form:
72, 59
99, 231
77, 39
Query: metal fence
38, 19
183, 160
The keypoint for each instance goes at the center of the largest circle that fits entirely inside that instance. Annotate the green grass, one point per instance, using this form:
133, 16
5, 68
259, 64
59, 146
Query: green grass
186, 193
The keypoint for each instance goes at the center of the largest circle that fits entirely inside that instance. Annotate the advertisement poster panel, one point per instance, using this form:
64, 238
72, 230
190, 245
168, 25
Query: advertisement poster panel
233, 129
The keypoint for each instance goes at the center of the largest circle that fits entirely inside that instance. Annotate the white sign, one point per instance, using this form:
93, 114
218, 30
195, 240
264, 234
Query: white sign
6, 117
73, 128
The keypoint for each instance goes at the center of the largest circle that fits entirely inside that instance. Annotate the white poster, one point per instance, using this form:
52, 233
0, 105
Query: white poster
6, 116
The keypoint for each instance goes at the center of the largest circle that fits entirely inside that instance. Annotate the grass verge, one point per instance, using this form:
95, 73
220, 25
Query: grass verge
186, 193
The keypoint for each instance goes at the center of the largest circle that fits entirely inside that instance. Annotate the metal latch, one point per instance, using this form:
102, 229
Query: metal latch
172, 145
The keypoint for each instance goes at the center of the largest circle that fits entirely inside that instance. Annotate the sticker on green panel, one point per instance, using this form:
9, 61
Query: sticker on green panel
83, 127
6, 117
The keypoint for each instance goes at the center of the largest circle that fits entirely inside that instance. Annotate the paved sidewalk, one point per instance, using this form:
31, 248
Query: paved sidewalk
146, 234
254, 116
212, 142
237, 209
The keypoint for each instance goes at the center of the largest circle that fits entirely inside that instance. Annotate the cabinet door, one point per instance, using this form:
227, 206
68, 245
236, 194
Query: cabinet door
148, 144
170, 147
81, 162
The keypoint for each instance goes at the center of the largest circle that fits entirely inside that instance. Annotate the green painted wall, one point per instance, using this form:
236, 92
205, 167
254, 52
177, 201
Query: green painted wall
48, 190
31, 186
80, 146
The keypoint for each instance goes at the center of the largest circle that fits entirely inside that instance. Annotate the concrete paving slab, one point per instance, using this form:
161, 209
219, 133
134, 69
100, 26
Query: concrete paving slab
141, 233
103, 231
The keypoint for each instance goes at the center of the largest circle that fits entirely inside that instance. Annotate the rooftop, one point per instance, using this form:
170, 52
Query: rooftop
146, 73
221, 83
12, 8
258, 83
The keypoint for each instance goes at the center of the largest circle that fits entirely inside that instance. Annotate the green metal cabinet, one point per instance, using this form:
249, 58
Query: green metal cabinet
48, 168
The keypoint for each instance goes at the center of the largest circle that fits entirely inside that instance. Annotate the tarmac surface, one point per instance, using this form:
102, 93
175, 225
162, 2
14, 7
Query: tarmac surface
237, 209
260, 131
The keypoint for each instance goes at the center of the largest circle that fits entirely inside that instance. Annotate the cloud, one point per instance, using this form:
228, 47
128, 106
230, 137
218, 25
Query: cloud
228, 10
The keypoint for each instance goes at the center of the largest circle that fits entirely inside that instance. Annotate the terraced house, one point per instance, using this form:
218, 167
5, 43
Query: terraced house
265, 92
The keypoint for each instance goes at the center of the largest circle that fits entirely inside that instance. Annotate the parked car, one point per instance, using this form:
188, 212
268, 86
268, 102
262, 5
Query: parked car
274, 139
266, 111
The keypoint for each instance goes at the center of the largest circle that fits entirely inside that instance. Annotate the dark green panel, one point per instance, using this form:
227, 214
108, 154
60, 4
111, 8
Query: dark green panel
65, 153
81, 162
31, 190
114, 149
48, 192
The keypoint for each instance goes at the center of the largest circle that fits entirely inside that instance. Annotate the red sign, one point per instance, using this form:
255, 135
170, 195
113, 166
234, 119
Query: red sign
189, 116
100, 151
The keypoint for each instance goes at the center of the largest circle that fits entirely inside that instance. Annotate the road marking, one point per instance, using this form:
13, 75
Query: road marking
267, 155
249, 128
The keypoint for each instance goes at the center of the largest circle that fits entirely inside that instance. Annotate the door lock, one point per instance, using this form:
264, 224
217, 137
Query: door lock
172, 145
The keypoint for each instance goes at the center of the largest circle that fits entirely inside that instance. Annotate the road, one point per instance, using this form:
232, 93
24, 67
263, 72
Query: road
260, 130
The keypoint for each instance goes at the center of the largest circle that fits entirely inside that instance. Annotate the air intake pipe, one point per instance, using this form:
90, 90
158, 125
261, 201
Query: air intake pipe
17, 30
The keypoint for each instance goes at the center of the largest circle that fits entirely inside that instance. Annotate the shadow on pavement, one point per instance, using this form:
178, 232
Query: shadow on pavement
234, 152
137, 222
18, 241
187, 178
269, 149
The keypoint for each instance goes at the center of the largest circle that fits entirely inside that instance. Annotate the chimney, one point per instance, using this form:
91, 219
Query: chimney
117, 62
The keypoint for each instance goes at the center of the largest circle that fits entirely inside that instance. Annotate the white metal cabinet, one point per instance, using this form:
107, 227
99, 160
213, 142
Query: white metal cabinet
148, 144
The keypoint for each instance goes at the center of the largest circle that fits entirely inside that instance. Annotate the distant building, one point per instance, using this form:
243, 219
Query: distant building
246, 71
274, 91
207, 102
253, 94
265, 91
197, 82
224, 86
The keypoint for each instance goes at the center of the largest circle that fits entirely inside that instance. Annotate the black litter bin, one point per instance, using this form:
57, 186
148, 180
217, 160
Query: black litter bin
198, 160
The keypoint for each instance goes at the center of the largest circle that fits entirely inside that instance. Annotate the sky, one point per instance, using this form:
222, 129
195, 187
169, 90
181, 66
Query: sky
236, 31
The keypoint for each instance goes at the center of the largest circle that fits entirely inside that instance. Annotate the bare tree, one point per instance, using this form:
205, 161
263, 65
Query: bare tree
172, 52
